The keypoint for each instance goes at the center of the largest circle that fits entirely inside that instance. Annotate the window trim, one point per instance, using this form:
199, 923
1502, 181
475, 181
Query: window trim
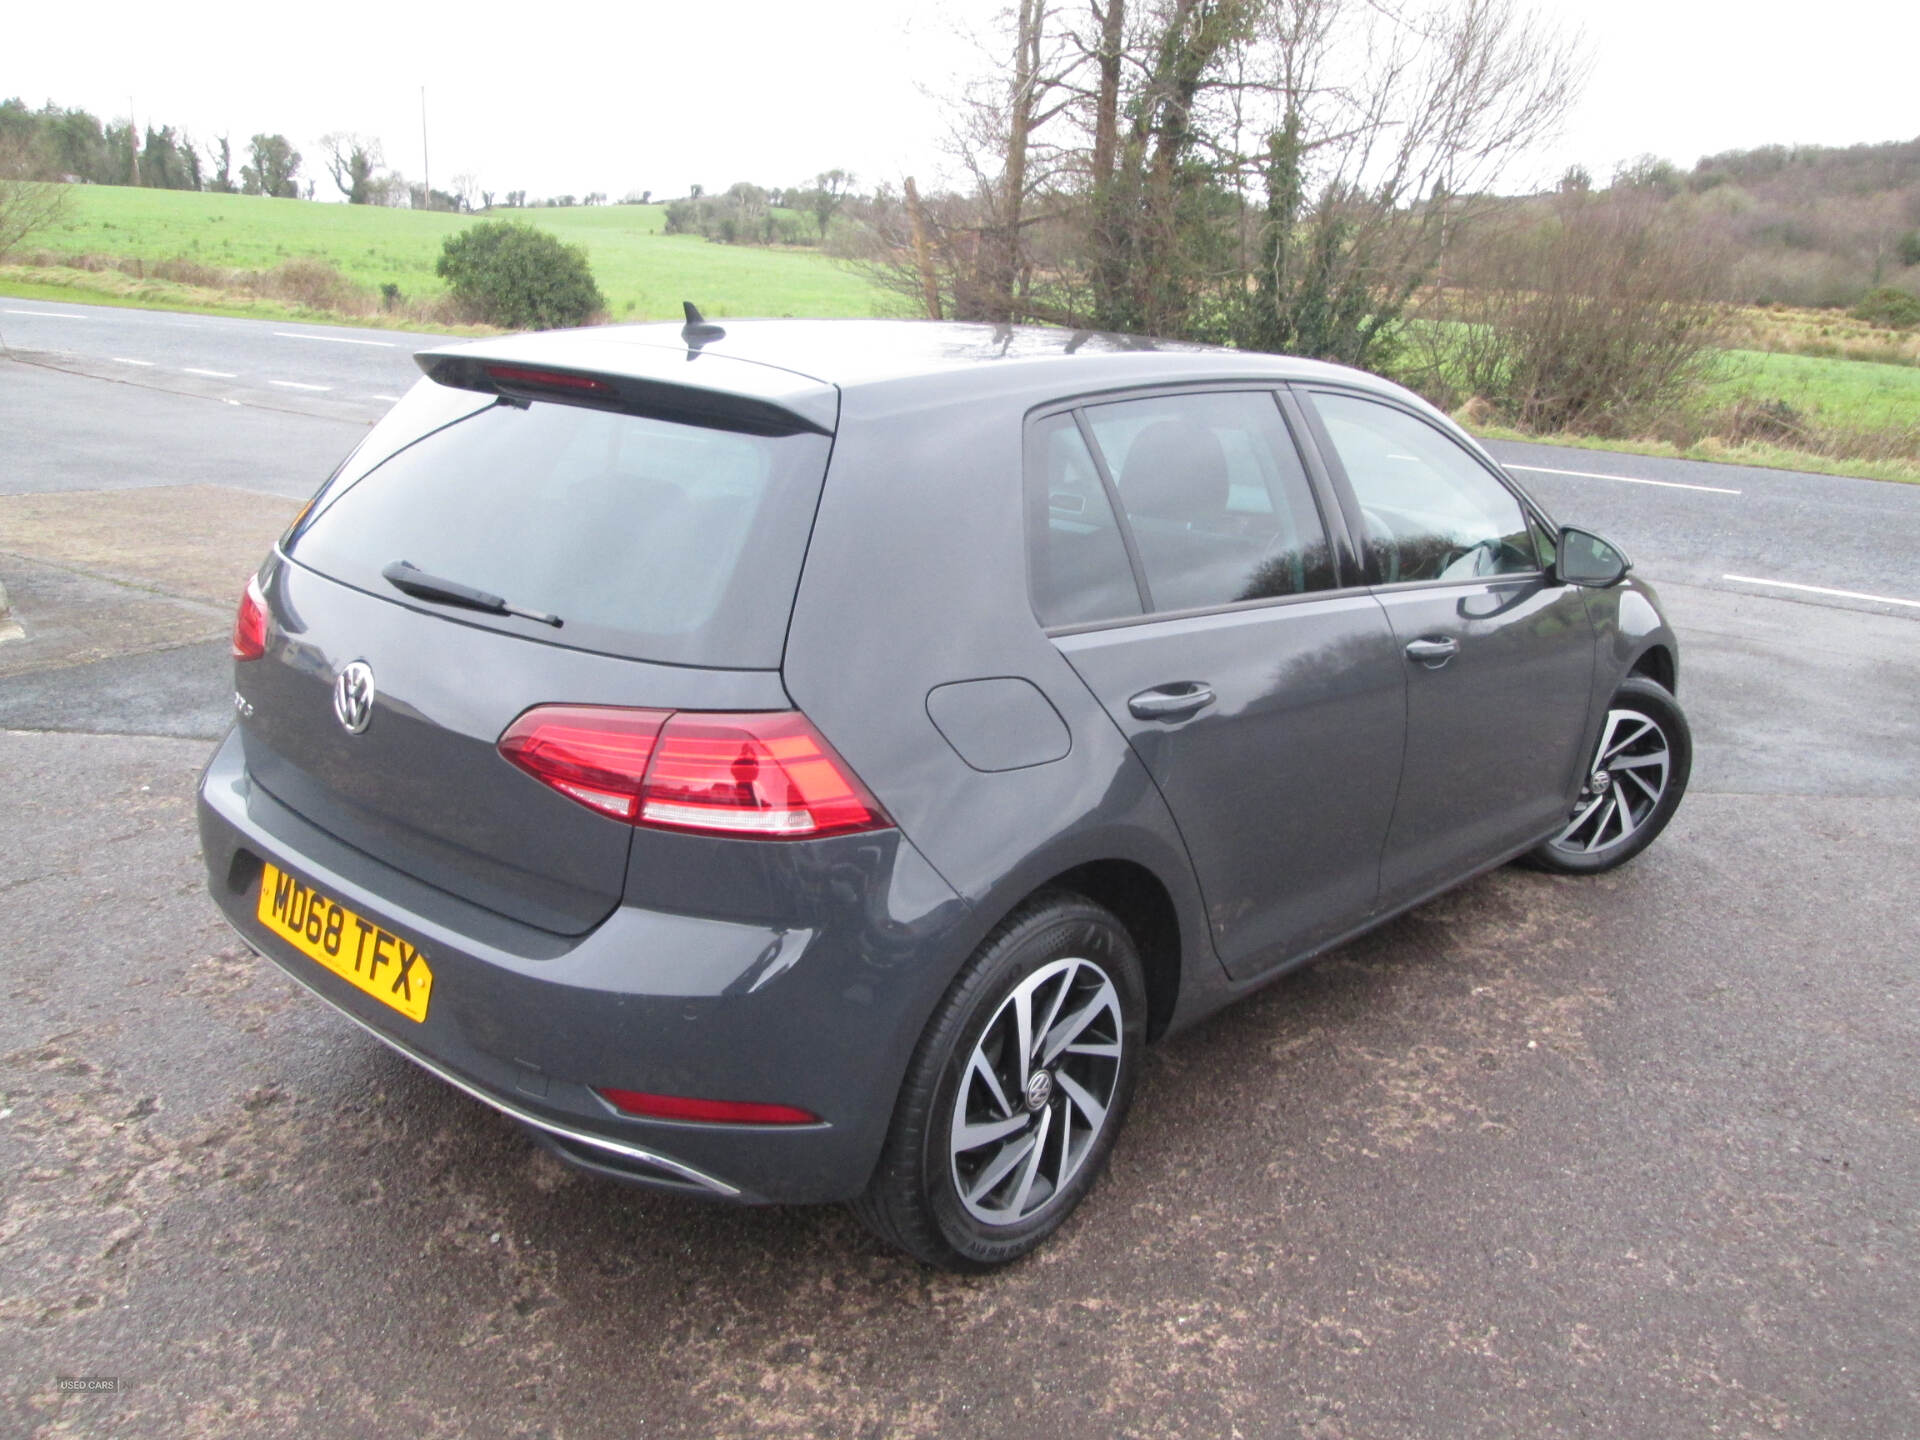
1349, 573
1141, 584
1349, 499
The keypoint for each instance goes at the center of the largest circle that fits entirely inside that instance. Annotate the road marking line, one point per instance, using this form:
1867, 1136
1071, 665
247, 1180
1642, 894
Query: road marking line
47, 314
1822, 590
215, 374
390, 399
123, 360
296, 385
333, 339
1624, 479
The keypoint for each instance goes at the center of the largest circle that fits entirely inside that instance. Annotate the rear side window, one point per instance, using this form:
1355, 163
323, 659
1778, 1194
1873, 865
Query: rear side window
1081, 570
648, 538
1215, 496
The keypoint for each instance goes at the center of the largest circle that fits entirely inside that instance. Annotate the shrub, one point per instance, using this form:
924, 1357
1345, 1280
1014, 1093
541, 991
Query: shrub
1768, 421
312, 284
1895, 309
1597, 322
519, 277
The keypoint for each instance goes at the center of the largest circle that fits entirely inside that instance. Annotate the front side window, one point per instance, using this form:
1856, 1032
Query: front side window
1430, 510
1218, 504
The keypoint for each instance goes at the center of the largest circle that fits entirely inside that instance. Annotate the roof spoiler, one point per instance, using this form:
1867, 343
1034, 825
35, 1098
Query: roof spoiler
522, 381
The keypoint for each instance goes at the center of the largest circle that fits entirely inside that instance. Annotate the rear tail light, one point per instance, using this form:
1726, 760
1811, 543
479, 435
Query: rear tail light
761, 774
593, 754
250, 625
722, 1112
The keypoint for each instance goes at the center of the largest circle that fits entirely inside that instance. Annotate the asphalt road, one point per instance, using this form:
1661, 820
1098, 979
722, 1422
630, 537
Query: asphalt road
1630, 1156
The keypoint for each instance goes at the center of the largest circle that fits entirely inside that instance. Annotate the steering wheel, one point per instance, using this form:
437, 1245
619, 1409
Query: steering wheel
1383, 544
1470, 563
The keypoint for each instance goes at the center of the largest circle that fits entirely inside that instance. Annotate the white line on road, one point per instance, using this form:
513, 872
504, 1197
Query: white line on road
333, 339
45, 314
390, 399
1822, 590
1624, 479
296, 385
212, 374
123, 360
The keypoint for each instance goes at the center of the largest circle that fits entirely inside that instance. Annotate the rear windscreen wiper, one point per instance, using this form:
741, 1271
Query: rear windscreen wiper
414, 581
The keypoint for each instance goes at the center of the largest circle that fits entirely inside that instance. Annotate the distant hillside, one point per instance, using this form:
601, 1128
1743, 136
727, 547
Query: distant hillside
1809, 225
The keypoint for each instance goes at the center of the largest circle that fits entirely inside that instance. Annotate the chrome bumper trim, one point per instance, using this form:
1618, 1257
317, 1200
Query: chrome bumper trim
507, 1107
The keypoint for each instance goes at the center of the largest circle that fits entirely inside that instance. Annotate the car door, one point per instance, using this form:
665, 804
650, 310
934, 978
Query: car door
1498, 656
1182, 564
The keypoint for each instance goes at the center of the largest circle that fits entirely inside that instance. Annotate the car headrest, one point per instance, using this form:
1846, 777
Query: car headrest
1175, 470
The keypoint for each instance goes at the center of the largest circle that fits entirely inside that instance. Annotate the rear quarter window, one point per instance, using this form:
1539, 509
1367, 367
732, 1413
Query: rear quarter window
649, 538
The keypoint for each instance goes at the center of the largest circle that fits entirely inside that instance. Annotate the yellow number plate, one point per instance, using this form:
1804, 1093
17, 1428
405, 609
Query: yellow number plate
360, 953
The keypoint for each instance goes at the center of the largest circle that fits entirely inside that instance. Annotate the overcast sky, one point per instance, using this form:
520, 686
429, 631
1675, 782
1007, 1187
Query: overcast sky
578, 95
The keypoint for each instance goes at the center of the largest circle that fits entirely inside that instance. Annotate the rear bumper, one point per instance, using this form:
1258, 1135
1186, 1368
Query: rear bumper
818, 1007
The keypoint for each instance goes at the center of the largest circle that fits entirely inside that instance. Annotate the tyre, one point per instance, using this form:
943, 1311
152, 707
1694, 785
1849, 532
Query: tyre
1634, 783
1019, 1085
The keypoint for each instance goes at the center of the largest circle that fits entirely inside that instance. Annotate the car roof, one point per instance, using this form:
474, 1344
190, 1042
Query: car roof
850, 353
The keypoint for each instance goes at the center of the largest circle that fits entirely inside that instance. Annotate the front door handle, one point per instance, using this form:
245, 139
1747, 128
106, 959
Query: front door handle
1171, 702
1433, 651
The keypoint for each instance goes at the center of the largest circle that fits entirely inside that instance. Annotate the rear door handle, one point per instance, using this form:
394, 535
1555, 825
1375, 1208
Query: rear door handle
1171, 702
1433, 651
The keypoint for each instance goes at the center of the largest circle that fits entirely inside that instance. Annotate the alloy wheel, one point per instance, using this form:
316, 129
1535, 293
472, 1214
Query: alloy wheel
1624, 785
1036, 1092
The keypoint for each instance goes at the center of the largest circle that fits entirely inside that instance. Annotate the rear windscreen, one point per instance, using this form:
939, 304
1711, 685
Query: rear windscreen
646, 537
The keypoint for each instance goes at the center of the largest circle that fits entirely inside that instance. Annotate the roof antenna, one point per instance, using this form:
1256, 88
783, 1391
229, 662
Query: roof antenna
698, 330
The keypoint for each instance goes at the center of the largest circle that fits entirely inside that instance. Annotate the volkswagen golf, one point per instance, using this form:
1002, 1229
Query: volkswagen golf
809, 761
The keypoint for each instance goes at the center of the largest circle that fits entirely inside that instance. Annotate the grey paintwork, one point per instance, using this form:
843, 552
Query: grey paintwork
804, 973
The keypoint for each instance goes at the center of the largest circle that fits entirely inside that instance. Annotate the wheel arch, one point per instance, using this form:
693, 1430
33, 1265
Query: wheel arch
1657, 663
1142, 903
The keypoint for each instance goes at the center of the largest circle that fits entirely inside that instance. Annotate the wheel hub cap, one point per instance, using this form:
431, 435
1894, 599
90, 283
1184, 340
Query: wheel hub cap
1039, 1090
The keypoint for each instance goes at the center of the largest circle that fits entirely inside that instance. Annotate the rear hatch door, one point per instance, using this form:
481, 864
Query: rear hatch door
668, 546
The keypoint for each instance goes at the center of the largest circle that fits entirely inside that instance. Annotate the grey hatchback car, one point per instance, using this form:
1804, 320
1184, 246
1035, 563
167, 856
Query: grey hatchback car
809, 761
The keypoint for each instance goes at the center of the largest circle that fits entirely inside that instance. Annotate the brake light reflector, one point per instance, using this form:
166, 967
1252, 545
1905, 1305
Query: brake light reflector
548, 379
723, 1112
591, 753
763, 774
250, 625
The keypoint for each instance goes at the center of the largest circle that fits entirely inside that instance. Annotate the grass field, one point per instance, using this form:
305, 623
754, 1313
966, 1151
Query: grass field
1856, 394
643, 273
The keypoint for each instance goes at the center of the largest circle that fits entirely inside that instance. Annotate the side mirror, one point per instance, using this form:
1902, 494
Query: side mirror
1585, 559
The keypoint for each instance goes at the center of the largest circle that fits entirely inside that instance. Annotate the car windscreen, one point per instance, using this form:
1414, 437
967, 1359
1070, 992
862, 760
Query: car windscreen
646, 537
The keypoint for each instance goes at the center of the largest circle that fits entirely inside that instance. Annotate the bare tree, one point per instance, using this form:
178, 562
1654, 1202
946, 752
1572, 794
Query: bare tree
353, 161
983, 247
1116, 167
1389, 125
27, 203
